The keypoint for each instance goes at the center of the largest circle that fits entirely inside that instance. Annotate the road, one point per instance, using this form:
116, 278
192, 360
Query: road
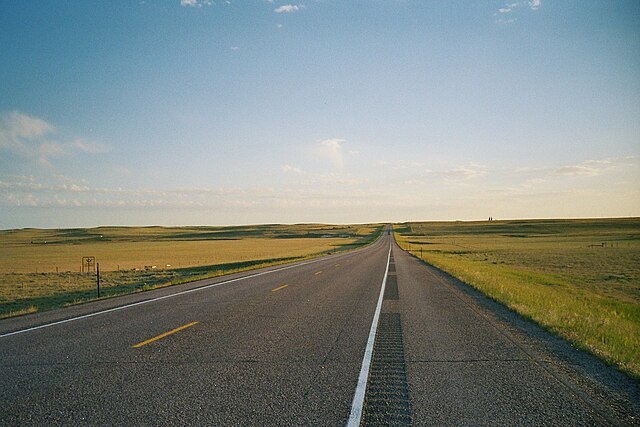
286, 346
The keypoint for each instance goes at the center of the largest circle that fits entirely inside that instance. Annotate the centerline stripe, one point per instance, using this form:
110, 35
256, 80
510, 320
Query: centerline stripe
213, 285
278, 288
173, 331
358, 396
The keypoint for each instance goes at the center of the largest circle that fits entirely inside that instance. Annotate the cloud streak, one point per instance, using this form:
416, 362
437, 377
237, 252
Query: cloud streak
28, 191
287, 8
35, 139
445, 193
17, 130
506, 13
195, 3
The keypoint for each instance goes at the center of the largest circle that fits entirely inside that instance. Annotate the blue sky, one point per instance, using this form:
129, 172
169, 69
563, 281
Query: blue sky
233, 112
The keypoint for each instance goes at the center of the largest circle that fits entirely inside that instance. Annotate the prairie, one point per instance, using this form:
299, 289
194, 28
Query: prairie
42, 269
578, 278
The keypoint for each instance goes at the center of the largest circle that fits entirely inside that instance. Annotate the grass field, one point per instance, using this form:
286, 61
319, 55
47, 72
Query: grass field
578, 278
41, 269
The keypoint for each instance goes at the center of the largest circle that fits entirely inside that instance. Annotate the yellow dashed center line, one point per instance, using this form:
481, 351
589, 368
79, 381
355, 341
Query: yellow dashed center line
173, 331
278, 288
318, 272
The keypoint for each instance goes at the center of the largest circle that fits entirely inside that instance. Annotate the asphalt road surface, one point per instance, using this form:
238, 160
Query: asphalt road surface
286, 346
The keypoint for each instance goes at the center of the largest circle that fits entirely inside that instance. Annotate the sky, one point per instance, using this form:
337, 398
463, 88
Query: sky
196, 112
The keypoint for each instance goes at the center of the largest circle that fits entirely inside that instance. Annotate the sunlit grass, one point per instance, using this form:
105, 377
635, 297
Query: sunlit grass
580, 279
40, 269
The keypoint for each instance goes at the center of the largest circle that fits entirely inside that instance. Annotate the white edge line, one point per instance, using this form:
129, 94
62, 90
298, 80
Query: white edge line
97, 313
358, 397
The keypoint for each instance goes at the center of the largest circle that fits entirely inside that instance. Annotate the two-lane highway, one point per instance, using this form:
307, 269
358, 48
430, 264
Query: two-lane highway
283, 347
287, 346
471, 361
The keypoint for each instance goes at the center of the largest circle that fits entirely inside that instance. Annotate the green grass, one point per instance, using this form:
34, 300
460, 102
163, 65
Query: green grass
40, 269
578, 278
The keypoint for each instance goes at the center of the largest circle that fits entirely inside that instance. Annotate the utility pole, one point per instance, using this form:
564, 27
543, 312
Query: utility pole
98, 278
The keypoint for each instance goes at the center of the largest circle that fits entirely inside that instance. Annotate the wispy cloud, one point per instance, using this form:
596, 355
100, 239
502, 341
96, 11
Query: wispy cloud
463, 172
288, 8
560, 189
577, 170
332, 149
86, 146
293, 169
196, 3
505, 14
36, 139
458, 173
590, 167
28, 191
17, 130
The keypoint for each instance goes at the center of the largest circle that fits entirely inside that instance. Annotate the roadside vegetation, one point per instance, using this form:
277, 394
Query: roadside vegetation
578, 278
42, 269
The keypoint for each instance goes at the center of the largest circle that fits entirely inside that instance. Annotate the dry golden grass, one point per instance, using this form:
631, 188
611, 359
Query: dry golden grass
40, 269
46, 258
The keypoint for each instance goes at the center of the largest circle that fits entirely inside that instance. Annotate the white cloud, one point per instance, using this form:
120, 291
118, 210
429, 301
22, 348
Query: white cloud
535, 4
287, 8
33, 138
517, 8
577, 170
332, 149
598, 167
590, 167
466, 191
587, 168
29, 192
289, 168
457, 173
196, 3
335, 179
507, 8
24, 126
17, 130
